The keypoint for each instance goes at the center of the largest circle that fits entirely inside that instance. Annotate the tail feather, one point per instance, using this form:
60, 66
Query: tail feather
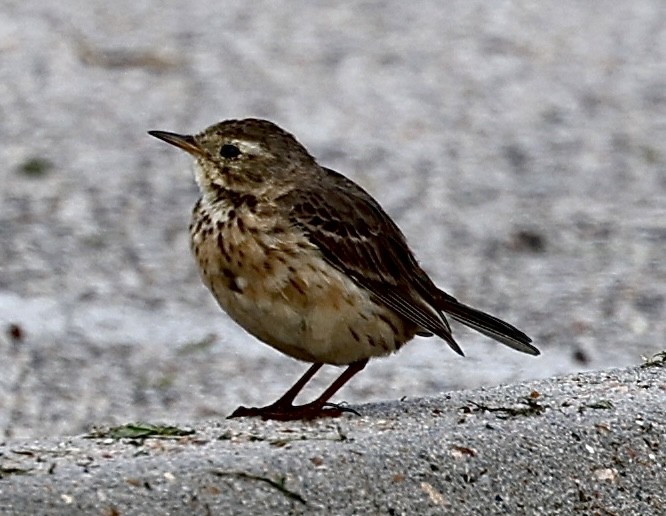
488, 325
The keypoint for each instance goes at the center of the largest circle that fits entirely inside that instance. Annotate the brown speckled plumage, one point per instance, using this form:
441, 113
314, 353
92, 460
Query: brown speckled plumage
307, 261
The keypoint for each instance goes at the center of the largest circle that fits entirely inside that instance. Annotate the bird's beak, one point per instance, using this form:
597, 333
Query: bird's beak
182, 141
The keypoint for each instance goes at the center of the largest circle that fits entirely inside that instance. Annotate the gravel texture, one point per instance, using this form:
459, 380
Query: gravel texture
521, 146
586, 444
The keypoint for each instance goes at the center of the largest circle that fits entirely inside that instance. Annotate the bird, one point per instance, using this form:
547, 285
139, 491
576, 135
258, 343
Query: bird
308, 262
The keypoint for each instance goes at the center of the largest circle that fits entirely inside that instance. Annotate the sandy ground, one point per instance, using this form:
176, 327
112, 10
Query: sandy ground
521, 146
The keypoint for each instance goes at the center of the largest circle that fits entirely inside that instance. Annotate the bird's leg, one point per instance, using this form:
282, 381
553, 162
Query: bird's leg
285, 402
284, 410
288, 397
321, 407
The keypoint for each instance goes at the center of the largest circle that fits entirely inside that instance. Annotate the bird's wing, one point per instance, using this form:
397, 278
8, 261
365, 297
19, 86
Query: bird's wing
357, 237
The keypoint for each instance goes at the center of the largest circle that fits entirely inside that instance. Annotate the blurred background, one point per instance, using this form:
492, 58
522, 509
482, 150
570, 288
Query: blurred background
521, 147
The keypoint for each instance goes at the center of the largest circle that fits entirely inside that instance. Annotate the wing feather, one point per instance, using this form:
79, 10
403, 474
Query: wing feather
356, 236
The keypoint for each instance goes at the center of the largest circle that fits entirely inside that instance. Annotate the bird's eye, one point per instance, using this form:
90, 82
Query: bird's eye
229, 151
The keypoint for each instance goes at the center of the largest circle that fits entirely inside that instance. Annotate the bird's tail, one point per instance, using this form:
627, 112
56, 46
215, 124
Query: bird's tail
487, 324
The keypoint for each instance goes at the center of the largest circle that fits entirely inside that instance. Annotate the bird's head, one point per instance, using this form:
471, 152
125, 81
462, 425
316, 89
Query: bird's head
249, 155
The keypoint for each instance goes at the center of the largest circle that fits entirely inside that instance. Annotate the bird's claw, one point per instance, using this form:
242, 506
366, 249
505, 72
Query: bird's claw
293, 412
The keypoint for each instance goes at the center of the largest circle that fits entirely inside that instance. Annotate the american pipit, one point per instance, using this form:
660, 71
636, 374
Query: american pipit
308, 262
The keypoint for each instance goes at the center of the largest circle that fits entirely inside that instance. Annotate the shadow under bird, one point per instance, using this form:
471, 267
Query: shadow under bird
308, 262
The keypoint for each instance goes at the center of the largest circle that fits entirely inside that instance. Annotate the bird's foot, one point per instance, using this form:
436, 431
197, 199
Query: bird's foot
280, 412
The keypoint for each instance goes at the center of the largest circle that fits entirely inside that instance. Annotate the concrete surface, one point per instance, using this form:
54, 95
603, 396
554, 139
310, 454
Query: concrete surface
585, 444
